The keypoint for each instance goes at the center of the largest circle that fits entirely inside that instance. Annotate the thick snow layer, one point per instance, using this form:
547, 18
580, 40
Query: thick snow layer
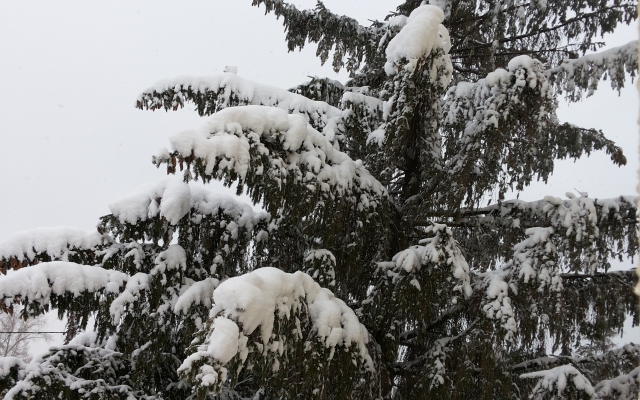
196, 293
6, 363
206, 202
143, 203
224, 142
254, 300
172, 198
555, 381
266, 291
378, 136
213, 93
442, 4
369, 102
57, 243
421, 33
232, 69
38, 282
224, 340
523, 61
232, 87
173, 257
623, 387
397, 21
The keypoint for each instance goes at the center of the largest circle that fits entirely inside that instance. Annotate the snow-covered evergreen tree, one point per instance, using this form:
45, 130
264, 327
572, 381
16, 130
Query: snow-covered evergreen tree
375, 270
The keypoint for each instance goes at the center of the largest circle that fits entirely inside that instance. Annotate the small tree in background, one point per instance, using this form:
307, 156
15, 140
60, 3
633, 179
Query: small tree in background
375, 270
18, 334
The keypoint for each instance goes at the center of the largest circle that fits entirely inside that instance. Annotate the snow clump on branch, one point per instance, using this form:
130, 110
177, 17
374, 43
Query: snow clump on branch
235, 140
56, 242
38, 282
422, 33
252, 303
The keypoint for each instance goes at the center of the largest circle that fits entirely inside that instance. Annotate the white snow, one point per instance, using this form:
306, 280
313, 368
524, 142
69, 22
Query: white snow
523, 61
56, 242
534, 258
555, 381
224, 340
377, 136
565, 212
538, 259
623, 387
231, 87
481, 104
6, 363
38, 282
197, 293
256, 299
174, 257
207, 202
439, 249
83, 346
371, 103
586, 71
135, 284
143, 203
321, 261
172, 198
498, 304
232, 69
417, 38
397, 21
224, 142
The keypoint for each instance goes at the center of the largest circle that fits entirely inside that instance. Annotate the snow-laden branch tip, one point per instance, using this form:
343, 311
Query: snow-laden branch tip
622, 387
584, 73
420, 34
57, 243
37, 283
196, 293
557, 380
214, 93
172, 199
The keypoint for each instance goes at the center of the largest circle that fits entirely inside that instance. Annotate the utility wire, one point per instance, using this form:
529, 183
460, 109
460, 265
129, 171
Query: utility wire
30, 332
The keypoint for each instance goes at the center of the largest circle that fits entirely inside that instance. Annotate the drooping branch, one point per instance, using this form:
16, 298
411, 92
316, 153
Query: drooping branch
340, 34
575, 76
214, 93
551, 361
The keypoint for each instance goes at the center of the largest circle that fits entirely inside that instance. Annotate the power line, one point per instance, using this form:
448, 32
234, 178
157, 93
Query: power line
30, 332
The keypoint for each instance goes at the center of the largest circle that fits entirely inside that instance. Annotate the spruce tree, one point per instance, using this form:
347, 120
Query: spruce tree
377, 269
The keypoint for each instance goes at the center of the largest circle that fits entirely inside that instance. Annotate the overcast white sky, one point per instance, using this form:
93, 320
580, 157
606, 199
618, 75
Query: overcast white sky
70, 71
